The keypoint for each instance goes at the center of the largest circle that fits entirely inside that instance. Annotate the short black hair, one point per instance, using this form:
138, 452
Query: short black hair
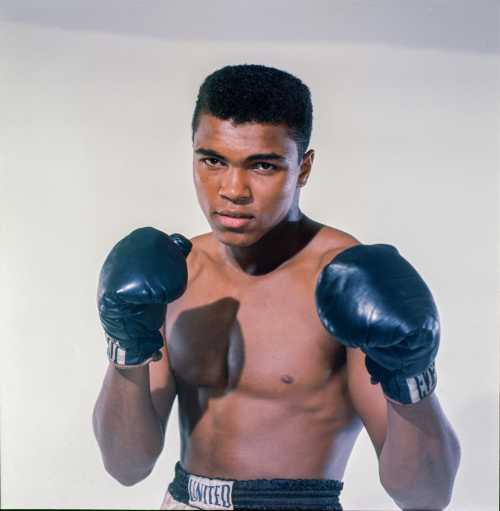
255, 93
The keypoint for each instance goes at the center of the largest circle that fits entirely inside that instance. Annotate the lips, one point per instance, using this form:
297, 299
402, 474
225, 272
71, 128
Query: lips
233, 219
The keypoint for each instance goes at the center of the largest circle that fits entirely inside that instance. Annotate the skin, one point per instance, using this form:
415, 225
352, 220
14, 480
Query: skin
256, 374
286, 377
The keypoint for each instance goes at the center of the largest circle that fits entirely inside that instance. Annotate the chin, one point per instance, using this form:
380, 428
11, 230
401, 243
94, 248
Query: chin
236, 239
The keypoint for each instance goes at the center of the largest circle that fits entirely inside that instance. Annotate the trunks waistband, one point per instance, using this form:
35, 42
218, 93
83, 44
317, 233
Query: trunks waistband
218, 493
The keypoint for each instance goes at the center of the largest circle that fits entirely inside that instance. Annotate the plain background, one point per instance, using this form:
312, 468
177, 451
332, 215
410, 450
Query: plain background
96, 101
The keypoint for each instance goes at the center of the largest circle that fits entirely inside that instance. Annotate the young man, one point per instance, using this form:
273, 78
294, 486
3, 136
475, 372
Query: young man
282, 337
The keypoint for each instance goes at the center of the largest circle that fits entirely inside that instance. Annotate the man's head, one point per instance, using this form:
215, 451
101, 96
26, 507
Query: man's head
257, 94
251, 129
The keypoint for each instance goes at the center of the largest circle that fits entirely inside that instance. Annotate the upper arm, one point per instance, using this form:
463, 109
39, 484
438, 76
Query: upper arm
162, 384
368, 399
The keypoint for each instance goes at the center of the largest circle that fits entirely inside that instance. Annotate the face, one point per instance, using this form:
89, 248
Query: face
247, 177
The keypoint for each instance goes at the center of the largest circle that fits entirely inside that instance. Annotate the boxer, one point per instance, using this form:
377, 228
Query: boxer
280, 337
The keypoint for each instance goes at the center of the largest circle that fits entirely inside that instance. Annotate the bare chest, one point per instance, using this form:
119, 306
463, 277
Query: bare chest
262, 337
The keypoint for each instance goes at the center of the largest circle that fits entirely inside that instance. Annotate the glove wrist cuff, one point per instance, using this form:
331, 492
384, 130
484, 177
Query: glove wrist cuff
409, 390
125, 357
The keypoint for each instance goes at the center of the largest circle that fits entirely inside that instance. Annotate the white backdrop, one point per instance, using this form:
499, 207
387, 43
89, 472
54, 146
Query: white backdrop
95, 141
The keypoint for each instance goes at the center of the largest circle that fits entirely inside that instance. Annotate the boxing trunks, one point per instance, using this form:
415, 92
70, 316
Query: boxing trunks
189, 491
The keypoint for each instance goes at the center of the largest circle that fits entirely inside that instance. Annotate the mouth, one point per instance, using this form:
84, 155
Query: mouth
233, 219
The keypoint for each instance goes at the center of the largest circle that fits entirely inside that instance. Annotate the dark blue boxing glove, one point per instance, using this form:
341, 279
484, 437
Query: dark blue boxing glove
142, 274
370, 297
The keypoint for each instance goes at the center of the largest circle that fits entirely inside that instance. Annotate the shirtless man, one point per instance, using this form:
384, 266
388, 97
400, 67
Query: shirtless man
282, 337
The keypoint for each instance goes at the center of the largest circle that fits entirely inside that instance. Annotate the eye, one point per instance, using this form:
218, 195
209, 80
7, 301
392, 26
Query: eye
212, 162
265, 166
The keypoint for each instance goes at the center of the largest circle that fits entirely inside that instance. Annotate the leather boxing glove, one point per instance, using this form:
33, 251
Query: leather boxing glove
143, 273
370, 297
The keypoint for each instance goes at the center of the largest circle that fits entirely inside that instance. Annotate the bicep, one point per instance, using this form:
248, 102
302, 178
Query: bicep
162, 384
368, 399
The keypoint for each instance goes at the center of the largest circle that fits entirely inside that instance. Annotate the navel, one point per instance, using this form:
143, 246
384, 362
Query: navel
286, 378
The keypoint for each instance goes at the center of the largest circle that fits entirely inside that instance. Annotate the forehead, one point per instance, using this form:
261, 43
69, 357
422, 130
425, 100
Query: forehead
224, 136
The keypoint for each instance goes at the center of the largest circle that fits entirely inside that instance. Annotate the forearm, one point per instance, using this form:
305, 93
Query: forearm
126, 425
420, 455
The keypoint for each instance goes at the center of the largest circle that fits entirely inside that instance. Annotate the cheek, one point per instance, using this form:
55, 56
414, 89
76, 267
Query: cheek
281, 189
204, 186
278, 196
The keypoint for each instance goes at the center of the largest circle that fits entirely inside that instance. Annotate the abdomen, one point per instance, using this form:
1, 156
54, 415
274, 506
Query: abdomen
239, 436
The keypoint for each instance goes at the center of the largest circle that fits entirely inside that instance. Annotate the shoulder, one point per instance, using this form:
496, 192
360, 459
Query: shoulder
202, 252
331, 241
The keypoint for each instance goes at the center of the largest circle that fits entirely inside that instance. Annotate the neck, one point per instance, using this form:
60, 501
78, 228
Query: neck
274, 248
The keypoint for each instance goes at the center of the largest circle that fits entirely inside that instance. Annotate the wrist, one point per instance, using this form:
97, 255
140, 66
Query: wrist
134, 374
132, 381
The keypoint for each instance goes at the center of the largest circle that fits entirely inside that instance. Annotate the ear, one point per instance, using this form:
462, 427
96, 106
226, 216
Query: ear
305, 167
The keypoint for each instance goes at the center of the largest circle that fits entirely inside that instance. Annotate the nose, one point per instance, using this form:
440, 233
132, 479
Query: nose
235, 187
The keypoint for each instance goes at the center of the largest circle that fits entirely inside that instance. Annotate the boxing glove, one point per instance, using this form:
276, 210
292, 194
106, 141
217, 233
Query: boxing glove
143, 273
370, 297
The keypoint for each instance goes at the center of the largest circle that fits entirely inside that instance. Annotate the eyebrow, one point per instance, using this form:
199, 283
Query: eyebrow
252, 157
265, 156
209, 152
